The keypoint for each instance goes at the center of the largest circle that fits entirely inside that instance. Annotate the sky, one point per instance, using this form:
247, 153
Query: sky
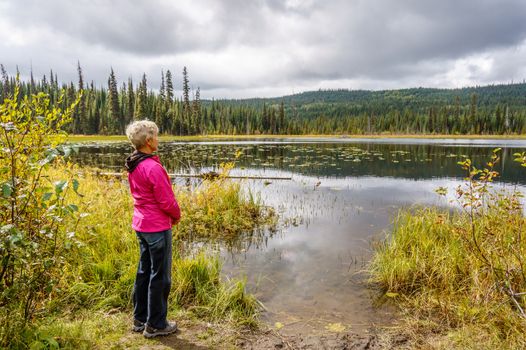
267, 48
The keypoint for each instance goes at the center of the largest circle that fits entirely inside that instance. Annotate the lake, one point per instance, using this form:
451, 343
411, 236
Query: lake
343, 195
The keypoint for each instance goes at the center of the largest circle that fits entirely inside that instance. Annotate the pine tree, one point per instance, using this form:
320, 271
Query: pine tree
196, 111
169, 87
116, 122
473, 122
32, 85
281, 127
51, 81
81, 107
169, 107
44, 83
186, 101
5, 83
140, 104
130, 100
162, 90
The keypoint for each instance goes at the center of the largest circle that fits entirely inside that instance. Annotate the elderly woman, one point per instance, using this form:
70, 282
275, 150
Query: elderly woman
155, 212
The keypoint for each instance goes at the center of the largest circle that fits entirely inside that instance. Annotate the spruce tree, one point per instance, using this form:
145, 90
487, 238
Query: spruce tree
162, 90
141, 103
5, 83
186, 101
130, 100
116, 122
169, 87
281, 127
32, 85
82, 121
196, 111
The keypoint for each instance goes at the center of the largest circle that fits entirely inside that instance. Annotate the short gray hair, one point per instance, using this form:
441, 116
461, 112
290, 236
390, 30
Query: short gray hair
141, 130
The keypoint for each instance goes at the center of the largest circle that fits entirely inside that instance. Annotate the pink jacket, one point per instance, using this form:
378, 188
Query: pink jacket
155, 206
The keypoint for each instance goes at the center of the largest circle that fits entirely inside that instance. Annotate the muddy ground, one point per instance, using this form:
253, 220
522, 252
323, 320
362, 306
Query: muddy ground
202, 336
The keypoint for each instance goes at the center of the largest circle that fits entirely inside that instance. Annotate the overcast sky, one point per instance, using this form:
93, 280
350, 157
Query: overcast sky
249, 48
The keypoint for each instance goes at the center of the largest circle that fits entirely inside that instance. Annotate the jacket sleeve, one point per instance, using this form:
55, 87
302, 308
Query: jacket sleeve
163, 192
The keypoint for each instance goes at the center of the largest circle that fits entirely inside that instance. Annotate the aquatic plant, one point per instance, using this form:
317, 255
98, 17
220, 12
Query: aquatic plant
217, 209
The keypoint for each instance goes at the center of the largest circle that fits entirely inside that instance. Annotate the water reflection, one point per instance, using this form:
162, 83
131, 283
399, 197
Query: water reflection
401, 160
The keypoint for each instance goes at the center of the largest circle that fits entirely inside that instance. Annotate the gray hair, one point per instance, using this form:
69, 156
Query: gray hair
140, 131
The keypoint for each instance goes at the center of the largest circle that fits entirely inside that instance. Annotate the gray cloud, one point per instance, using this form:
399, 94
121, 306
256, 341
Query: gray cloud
237, 47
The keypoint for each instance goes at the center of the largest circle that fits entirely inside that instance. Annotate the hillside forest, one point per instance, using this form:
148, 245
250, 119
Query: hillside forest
107, 109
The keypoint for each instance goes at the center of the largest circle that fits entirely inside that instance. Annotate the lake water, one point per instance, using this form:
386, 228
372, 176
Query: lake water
344, 193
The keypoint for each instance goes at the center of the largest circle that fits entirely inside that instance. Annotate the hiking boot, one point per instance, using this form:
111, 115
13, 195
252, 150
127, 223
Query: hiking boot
138, 326
150, 332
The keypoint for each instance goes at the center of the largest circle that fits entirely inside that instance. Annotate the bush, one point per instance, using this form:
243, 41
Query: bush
33, 237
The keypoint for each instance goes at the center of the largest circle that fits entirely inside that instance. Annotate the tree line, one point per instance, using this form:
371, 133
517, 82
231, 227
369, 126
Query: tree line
493, 109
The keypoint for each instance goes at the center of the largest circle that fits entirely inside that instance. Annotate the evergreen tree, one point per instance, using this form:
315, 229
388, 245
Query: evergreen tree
5, 83
116, 122
169, 87
130, 100
141, 103
82, 121
196, 111
32, 85
186, 102
282, 126
473, 121
162, 90
51, 81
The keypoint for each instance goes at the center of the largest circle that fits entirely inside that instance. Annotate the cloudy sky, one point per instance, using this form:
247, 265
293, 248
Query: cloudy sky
256, 48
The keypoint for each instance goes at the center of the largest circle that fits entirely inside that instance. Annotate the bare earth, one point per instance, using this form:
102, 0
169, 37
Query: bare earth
206, 336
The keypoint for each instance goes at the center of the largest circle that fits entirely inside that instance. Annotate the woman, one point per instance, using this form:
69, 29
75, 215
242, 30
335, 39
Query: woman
155, 212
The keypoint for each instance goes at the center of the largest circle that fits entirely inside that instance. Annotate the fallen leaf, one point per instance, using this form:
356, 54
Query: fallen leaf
335, 327
391, 295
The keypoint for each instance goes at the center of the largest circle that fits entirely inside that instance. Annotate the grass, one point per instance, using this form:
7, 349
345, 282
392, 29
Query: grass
99, 271
450, 296
217, 211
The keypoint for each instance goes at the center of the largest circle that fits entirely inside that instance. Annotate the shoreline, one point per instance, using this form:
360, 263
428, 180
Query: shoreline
122, 138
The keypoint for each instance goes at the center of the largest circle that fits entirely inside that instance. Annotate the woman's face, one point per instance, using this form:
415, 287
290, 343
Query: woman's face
154, 143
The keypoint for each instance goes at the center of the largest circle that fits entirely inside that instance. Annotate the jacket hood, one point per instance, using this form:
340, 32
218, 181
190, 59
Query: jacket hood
135, 159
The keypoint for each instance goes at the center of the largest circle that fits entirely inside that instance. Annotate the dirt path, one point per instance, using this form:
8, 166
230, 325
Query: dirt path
339, 341
200, 337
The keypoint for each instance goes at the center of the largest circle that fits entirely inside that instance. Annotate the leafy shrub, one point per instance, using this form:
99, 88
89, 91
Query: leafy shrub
33, 237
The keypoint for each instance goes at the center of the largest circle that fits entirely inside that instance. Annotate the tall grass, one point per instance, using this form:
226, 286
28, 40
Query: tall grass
99, 272
451, 286
218, 210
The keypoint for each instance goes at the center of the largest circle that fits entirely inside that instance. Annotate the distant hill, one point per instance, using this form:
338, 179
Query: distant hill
353, 102
491, 109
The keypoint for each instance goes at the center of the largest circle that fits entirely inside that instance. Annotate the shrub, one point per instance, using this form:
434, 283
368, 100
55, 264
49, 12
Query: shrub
33, 237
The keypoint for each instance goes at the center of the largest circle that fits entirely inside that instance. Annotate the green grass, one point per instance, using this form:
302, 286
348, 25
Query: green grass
450, 296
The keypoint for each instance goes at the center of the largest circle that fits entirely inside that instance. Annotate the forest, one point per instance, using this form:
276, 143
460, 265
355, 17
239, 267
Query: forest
107, 109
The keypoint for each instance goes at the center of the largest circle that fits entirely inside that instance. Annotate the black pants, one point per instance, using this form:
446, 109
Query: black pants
153, 280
